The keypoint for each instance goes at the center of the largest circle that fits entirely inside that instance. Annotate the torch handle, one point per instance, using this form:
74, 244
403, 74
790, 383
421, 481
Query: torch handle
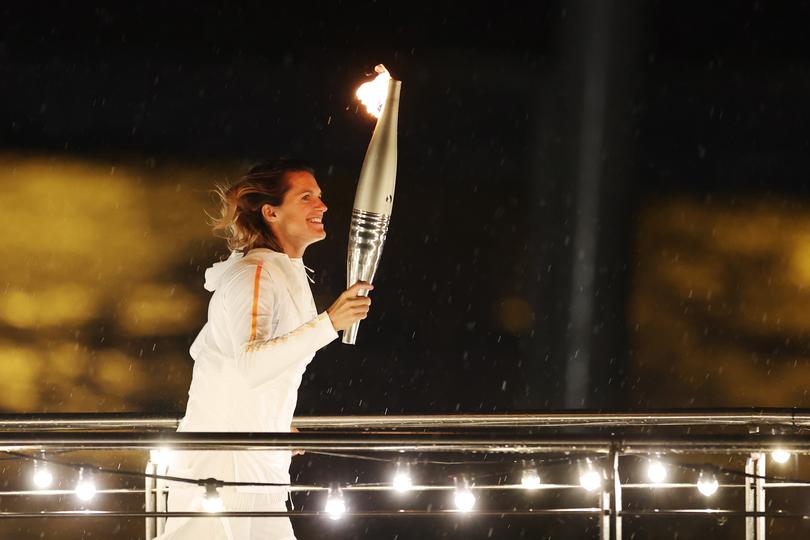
350, 335
366, 240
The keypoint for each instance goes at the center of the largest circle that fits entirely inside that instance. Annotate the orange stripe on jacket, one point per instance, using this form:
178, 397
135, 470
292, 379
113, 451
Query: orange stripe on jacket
256, 282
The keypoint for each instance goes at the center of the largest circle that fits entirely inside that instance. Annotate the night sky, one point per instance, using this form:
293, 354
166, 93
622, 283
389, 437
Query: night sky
592, 196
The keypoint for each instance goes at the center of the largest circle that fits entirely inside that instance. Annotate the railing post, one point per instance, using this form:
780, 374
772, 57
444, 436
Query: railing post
606, 515
149, 502
161, 494
611, 499
760, 491
617, 497
755, 496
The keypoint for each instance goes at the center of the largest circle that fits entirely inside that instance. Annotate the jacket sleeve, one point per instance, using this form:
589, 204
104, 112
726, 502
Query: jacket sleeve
252, 302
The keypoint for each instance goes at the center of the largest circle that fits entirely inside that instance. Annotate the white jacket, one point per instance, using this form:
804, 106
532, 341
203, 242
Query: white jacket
262, 331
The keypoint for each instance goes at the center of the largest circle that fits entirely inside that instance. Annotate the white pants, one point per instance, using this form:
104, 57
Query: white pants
227, 528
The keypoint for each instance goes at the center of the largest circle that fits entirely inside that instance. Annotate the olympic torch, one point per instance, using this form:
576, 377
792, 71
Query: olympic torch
374, 198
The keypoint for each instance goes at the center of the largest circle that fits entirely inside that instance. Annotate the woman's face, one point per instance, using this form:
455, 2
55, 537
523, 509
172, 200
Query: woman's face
298, 222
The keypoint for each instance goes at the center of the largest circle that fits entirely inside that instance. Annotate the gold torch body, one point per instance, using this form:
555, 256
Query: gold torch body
374, 200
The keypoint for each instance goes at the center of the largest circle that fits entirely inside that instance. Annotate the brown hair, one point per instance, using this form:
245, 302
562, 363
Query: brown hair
241, 222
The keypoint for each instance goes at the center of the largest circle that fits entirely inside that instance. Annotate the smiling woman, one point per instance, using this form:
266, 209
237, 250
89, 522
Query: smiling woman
263, 330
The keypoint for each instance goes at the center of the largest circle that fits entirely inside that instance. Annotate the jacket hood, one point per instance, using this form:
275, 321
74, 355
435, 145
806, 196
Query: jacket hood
213, 275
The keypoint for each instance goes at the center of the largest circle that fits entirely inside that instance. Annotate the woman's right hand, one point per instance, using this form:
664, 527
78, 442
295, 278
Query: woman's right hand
349, 306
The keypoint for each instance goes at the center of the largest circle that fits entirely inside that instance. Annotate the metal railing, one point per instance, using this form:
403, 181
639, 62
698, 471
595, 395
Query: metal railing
747, 433
766, 417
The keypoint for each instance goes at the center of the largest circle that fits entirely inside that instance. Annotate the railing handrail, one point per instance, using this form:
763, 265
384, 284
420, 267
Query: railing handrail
571, 418
376, 441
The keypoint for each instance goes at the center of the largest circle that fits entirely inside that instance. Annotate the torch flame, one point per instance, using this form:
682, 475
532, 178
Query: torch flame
372, 94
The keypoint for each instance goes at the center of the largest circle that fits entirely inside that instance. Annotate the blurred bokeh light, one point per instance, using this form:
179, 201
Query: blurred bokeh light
720, 302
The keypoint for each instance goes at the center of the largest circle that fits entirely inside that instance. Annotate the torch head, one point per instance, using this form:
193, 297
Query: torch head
378, 176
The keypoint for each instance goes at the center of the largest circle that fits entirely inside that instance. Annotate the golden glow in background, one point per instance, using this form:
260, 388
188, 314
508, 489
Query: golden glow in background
102, 291
720, 312
101, 288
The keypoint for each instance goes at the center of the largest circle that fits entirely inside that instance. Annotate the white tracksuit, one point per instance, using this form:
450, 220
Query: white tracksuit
262, 331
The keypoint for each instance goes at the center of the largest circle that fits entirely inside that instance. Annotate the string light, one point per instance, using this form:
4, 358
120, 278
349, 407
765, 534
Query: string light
780, 455
212, 502
656, 471
463, 496
335, 505
85, 487
42, 476
707, 484
590, 478
402, 479
530, 479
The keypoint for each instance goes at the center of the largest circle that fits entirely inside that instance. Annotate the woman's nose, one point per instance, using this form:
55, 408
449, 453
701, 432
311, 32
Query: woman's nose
323, 205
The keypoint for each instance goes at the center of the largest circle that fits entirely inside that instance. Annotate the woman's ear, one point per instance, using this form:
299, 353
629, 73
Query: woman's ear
269, 213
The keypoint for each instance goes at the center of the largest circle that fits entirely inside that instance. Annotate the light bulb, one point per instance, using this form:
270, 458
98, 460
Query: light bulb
656, 472
402, 481
161, 456
335, 505
530, 479
42, 476
85, 487
464, 499
212, 502
590, 479
707, 484
780, 455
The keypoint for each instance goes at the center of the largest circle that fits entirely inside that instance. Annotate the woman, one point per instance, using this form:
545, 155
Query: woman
262, 331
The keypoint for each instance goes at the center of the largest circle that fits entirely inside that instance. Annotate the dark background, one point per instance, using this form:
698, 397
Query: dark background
599, 204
